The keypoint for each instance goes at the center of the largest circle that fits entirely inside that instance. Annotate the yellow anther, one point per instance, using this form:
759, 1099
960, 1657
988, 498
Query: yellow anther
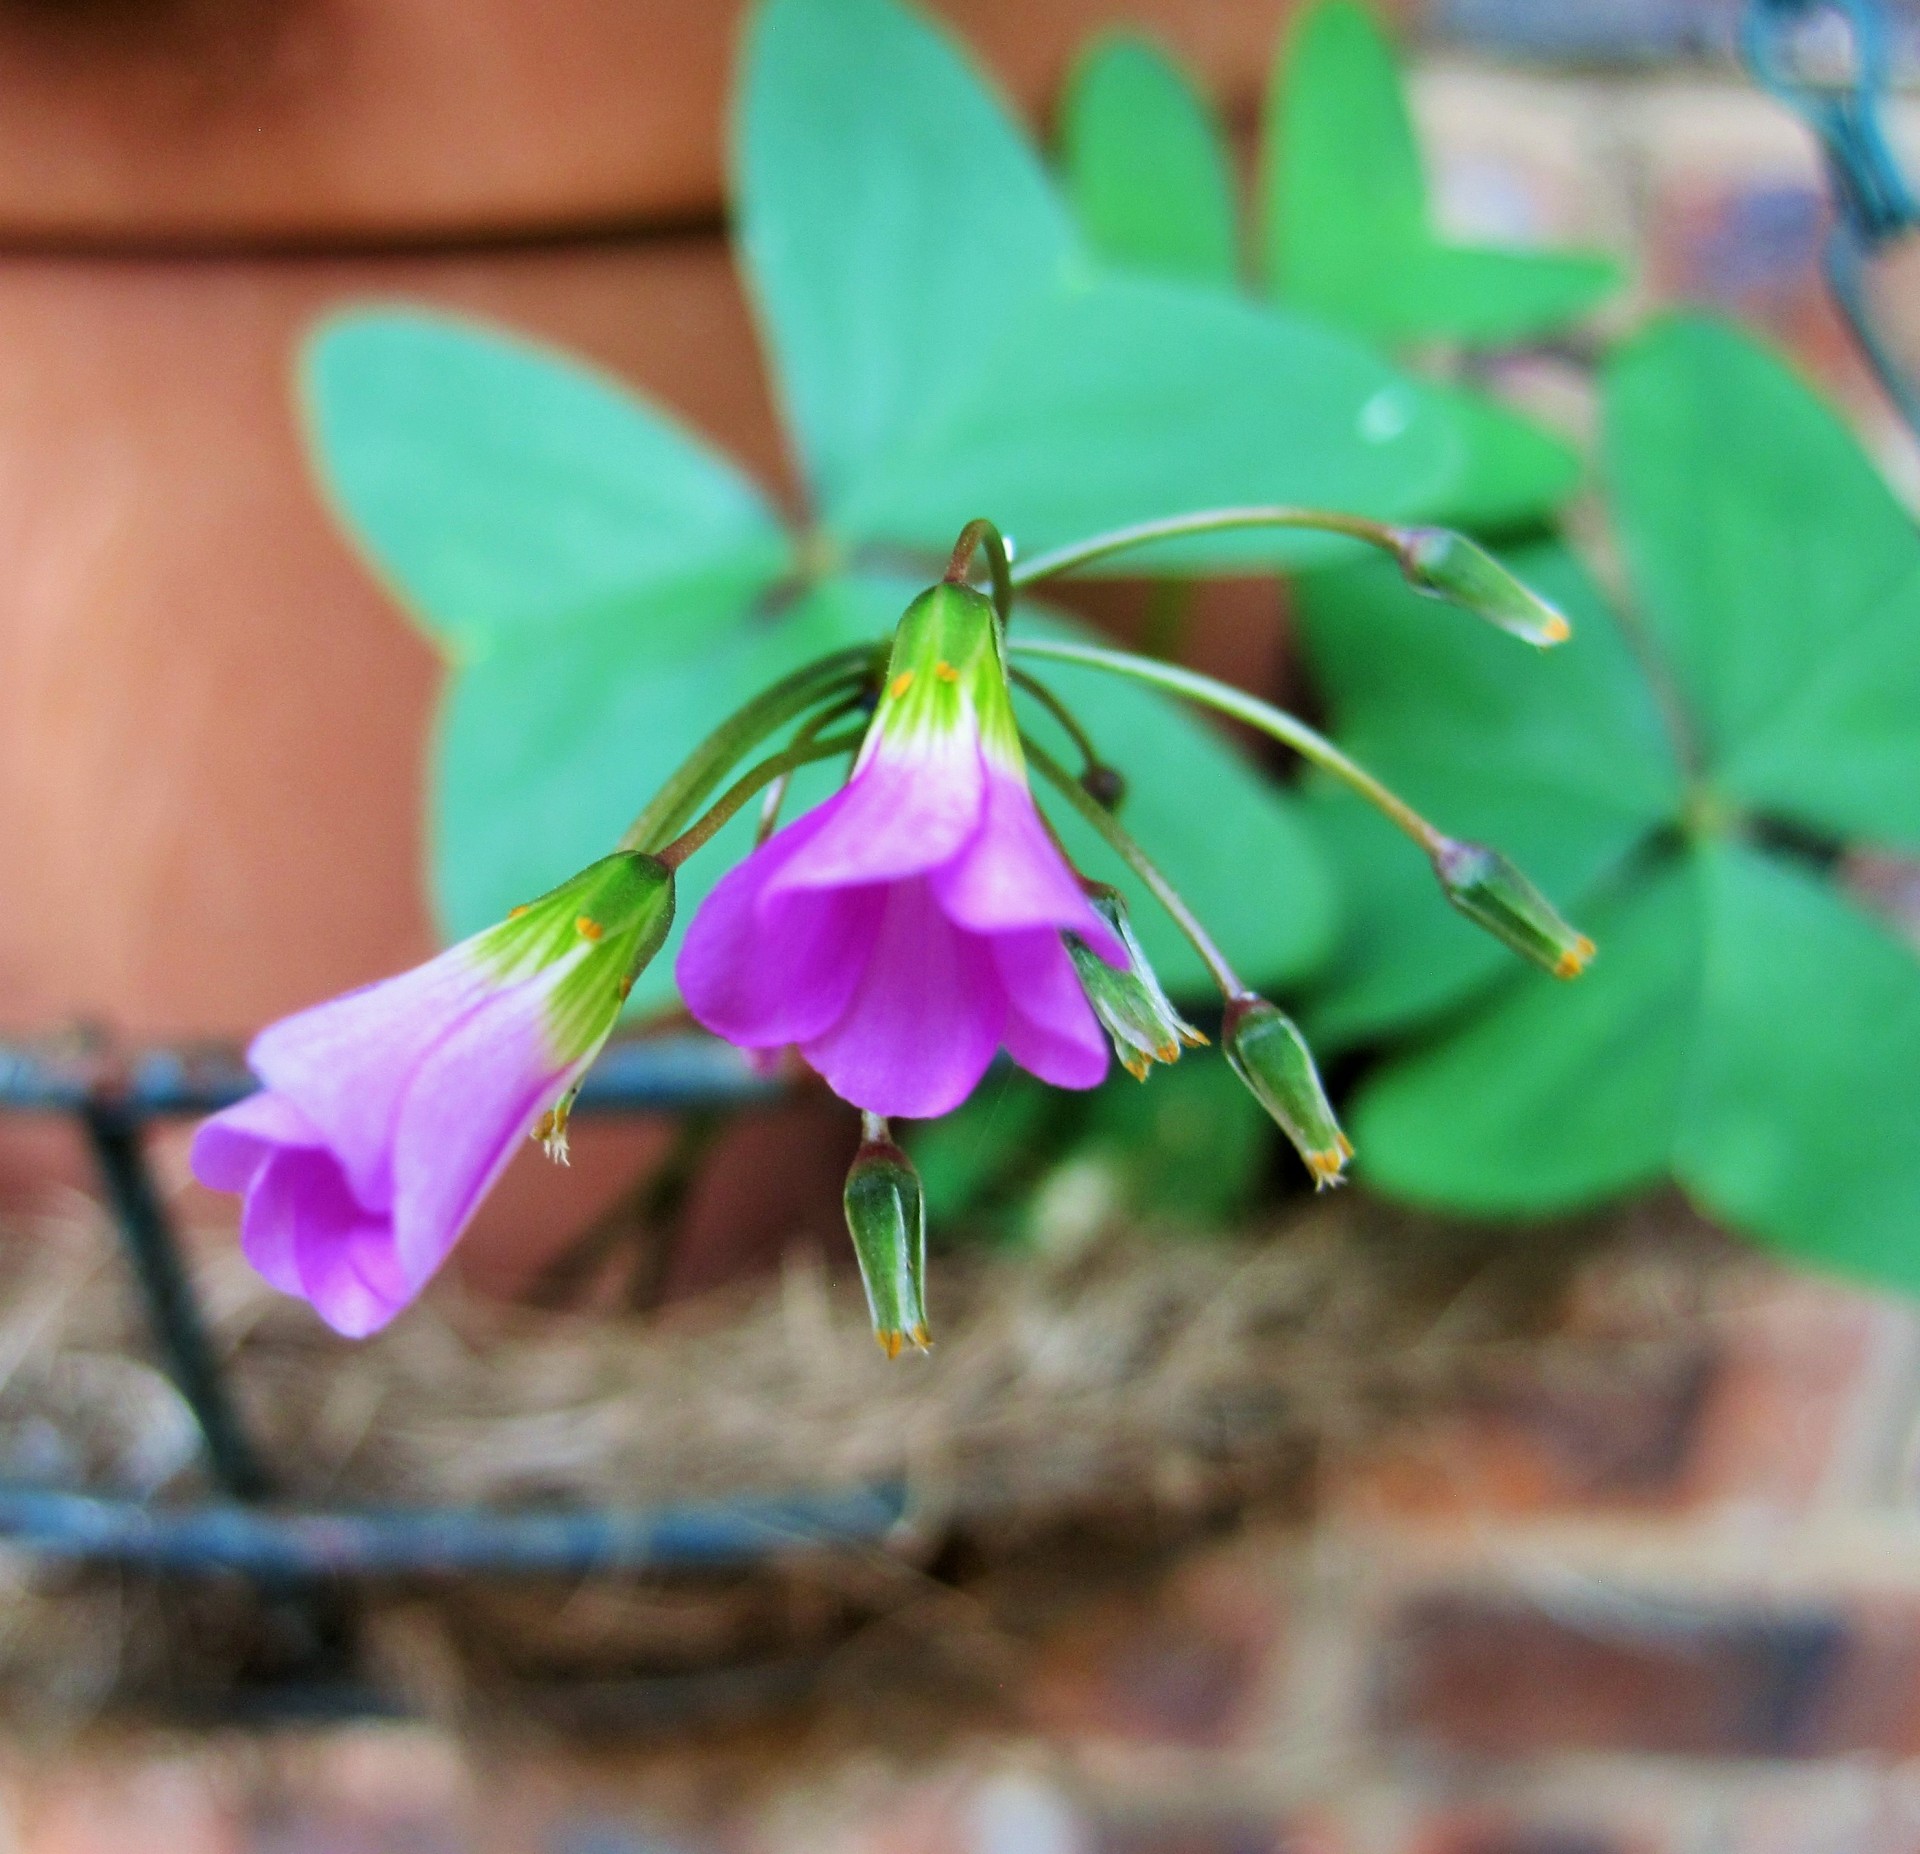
513, 914
1573, 961
1556, 630
946, 672
1329, 1166
900, 684
588, 928
624, 989
890, 1343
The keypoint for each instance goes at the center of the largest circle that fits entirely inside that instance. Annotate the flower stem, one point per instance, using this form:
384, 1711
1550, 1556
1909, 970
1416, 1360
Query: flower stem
1207, 521
1054, 706
777, 791
1275, 722
974, 537
1122, 843
738, 735
774, 766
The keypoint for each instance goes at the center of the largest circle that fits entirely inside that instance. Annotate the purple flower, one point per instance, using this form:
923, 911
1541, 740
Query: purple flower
387, 1115
903, 931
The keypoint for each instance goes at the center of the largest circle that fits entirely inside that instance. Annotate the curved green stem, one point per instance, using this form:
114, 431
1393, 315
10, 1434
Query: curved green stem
1122, 843
777, 791
1054, 706
738, 735
1274, 722
976, 536
1207, 521
774, 766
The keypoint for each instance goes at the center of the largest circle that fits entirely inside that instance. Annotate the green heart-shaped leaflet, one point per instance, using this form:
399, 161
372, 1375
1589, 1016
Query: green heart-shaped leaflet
1146, 164
1147, 168
1347, 219
1747, 1028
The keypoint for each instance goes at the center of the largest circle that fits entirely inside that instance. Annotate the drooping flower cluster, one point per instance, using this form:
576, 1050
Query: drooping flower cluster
899, 935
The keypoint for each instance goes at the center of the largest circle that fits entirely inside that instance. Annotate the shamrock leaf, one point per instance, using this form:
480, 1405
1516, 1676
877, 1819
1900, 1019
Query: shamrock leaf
1348, 230
1146, 164
1747, 1028
1784, 594
1147, 167
947, 347
606, 588
891, 223
500, 488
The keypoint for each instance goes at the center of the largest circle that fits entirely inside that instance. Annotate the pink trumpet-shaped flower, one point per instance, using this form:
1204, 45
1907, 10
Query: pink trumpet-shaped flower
387, 1114
903, 931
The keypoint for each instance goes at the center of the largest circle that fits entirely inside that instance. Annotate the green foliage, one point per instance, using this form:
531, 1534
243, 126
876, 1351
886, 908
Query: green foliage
1747, 1028
1189, 1147
1347, 220
1146, 164
606, 589
1147, 168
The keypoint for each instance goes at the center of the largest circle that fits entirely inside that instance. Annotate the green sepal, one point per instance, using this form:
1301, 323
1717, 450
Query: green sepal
1270, 1055
887, 1219
605, 923
1447, 565
1492, 893
946, 660
1129, 1001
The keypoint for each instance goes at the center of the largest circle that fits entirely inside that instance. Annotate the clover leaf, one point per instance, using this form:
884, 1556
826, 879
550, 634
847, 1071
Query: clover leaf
1348, 227
1749, 1029
1146, 164
1145, 161
605, 587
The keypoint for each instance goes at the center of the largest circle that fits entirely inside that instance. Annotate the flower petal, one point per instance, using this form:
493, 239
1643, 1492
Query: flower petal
346, 1064
923, 1023
1051, 1029
307, 1235
908, 809
766, 975
229, 1150
466, 1110
1011, 875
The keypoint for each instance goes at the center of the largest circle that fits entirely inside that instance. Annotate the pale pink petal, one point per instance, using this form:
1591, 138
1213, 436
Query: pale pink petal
306, 1234
906, 810
346, 1063
1051, 1029
1010, 875
229, 1150
925, 1020
765, 975
465, 1112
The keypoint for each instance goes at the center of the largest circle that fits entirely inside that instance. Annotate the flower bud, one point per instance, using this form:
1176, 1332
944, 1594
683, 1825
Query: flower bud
1451, 567
1135, 1012
887, 1218
1490, 891
1270, 1055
